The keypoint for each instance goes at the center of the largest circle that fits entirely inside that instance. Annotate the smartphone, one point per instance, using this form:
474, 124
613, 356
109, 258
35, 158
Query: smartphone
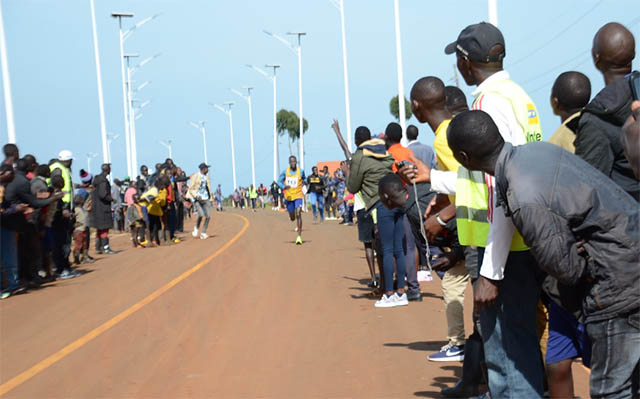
634, 81
402, 164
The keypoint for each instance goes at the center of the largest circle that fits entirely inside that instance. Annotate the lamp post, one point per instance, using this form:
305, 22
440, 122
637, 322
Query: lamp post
168, 145
103, 125
297, 50
227, 112
276, 150
339, 4
403, 122
6, 83
130, 164
125, 102
134, 117
493, 12
200, 127
90, 156
247, 98
110, 138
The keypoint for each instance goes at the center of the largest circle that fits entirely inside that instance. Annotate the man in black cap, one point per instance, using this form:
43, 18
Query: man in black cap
200, 193
514, 370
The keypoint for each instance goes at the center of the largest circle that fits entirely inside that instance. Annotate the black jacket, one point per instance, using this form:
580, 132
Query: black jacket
555, 200
599, 131
100, 215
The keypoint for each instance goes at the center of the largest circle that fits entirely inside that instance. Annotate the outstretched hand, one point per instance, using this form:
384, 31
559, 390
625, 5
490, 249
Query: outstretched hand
335, 126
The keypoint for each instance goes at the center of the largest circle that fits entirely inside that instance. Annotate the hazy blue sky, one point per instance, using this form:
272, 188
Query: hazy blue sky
205, 45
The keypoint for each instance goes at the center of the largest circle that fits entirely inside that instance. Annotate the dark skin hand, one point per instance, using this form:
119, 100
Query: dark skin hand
486, 293
443, 262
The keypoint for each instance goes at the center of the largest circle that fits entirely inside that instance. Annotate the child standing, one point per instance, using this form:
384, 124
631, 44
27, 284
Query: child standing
79, 229
135, 216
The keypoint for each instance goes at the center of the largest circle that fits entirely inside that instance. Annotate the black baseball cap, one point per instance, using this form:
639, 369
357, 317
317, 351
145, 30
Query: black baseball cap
475, 42
203, 165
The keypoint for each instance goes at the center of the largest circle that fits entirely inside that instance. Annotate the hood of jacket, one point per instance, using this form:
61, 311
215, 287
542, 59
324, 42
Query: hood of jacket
375, 148
613, 103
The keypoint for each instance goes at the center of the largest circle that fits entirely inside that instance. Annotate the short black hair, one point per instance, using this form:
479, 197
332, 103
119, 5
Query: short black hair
22, 165
393, 133
57, 181
429, 89
10, 149
78, 199
43, 171
475, 133
362, 134
455, 100
31, 159
412, 132
572, 89
391, 183
293, 156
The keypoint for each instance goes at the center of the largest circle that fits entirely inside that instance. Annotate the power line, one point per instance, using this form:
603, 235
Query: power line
562, 32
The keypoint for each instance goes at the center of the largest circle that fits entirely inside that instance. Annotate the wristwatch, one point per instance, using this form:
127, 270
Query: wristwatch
442, 223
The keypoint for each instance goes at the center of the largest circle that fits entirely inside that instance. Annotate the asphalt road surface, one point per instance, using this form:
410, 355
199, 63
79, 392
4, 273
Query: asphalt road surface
244, 314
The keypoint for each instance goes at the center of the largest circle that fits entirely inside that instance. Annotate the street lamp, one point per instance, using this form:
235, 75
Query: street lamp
298, 50
90, 156
134, 117
403, 122
103, 125
6, 82
227, 112
129, 141
168, 145
110, 138
247, 98
339, 4
125, 102
200, 127
276, 151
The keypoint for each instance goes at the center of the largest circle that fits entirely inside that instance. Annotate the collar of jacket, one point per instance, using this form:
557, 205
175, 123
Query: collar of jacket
375, 148
613, 103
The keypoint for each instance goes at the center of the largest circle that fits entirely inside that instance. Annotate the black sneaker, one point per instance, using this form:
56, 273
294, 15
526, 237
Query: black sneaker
414, 296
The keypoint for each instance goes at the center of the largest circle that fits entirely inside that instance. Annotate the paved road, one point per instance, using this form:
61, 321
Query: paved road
243, 314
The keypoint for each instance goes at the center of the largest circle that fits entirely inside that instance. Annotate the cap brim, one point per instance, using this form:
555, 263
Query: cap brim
451, 48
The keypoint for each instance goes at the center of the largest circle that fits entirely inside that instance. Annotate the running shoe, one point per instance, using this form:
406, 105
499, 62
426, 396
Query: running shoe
67, 274
448, 353
401, 300
299, 240
204, 236
144, 243
195, 233
176, 240
5, 295
387, 301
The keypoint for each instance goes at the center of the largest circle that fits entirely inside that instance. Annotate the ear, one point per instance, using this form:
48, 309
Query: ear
463, 158
415, 106
555, 105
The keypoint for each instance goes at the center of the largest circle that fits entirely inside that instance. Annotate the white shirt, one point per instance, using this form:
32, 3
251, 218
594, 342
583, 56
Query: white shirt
501, 228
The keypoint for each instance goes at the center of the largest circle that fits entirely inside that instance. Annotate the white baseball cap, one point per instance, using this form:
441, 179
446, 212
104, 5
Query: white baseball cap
65, 155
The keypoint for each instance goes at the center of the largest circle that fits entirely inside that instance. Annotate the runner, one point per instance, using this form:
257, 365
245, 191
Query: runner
291, 181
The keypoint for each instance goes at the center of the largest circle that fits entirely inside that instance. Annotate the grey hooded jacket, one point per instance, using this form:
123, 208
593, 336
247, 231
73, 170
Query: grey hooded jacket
556, 200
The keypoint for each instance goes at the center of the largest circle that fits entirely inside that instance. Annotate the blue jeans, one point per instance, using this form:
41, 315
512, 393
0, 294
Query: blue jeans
9, 257
615, 357
410, 259
203, 207
317, 204
508, 329
391, 228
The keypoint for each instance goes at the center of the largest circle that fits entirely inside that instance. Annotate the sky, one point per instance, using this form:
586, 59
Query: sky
205, 45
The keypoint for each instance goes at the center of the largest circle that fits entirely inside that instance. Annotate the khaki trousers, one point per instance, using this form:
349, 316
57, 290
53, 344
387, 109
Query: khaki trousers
454, 283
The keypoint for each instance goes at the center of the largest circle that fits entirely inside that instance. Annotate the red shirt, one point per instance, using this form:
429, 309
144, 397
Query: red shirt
399, 154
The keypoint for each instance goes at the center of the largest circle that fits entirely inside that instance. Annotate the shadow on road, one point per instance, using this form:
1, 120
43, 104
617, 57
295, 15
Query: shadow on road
420, 346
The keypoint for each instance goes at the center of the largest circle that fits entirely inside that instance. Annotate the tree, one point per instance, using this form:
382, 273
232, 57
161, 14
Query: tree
394, 108
288, 122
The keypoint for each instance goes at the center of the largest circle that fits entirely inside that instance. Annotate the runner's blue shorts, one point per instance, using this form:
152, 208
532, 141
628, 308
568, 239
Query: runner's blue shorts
293, 205
567, 337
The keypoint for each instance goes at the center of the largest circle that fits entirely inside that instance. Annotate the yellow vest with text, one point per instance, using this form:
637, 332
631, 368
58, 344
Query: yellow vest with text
68, 184
294, 181
472, 196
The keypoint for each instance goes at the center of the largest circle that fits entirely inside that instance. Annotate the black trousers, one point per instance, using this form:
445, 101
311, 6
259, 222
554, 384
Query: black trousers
61, 247
28, 252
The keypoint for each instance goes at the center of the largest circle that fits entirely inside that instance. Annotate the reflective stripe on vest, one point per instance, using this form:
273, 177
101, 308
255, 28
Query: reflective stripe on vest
68, 185
472, 199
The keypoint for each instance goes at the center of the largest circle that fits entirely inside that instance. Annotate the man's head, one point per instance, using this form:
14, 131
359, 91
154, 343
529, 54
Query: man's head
6, 174
11, 152
293, 162
22, 165
31, 160
204, 168
78, 200
480, 50
362, 134
314, 170
57, 182
613, 51
412, 133
455, 100
325, 170
158, 167
106, 169
475, 140
144, 171
392, 192
43, 171
65, 157
427, 96
169, 163
570, 93
136, 198
393, 134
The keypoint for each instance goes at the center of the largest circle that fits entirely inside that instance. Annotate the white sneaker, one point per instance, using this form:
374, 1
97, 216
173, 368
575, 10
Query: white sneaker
387, 301
195, 233
401, 300
204, 236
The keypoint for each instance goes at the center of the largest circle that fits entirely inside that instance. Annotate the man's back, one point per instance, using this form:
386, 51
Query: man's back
423, 152
555, 200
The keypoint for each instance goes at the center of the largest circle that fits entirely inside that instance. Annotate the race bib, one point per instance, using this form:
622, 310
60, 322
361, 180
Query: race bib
292, 181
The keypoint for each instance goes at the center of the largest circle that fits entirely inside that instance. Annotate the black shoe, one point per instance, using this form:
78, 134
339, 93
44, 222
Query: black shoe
468, 385
414, 297
460, 390
108, 251
373, 284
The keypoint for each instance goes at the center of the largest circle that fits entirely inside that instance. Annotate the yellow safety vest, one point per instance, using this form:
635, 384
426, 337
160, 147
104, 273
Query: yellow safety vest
472, 199
68, 184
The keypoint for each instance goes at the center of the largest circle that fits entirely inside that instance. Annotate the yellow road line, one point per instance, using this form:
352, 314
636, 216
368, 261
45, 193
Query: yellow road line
80, 342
